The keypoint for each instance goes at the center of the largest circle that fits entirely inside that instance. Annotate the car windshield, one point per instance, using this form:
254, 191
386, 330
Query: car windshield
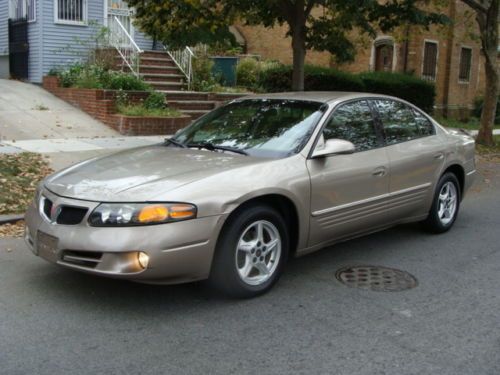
257, 127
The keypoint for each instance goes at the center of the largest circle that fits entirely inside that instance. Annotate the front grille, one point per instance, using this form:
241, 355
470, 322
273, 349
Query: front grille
71, 215
87, 259
62, 214
47, 207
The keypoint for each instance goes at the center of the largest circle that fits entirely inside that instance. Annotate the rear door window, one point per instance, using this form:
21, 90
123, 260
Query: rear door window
398, 121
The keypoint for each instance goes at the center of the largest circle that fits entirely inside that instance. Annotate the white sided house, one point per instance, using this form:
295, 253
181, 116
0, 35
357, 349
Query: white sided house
39, 35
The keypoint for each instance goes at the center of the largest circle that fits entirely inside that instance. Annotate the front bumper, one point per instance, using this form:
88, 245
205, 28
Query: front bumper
178, 252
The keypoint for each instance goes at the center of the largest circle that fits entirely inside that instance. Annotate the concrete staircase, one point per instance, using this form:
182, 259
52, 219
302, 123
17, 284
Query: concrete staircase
160, 71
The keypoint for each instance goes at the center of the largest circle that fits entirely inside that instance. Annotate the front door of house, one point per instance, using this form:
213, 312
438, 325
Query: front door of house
120, 14
383, 57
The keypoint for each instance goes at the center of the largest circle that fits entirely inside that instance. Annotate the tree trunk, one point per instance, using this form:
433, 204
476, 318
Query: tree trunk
488, 28
299, 57
485, 135
296, 19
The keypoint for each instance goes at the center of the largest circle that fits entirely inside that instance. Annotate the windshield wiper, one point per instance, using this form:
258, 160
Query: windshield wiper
212, 147
175, 143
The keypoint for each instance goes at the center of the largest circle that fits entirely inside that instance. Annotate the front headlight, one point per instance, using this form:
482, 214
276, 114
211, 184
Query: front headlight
131, 214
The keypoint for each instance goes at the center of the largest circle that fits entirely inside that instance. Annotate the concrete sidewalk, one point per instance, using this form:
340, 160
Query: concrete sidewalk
44, 146
29, 112
65, 152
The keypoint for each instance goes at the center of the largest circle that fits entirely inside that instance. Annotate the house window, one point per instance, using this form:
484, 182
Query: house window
429, 66
20, 9
71, 11
465, 64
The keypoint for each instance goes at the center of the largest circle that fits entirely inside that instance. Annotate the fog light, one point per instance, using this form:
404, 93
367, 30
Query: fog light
143, 259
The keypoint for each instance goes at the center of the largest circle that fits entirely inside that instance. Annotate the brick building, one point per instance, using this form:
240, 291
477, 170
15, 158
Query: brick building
447, 56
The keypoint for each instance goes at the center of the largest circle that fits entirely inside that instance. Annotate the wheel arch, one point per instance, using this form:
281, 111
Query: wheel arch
459, 172
281, 203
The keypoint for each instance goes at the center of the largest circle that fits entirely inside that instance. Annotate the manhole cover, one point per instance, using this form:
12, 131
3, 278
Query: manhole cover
381, 279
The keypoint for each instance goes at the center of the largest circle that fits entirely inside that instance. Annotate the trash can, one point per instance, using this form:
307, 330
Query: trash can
225, 67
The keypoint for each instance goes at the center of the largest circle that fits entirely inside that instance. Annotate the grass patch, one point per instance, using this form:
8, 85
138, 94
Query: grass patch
19, 177
471, 124
140, 111
492, 151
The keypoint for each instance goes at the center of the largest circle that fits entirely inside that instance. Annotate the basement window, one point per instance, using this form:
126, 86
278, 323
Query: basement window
72, 12
429, 65
465, 64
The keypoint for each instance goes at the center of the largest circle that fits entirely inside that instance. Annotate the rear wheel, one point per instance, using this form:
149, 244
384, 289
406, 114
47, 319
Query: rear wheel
445, 206
250, 253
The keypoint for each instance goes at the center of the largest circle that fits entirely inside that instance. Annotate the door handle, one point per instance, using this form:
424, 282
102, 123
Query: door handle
439, 155
379, 172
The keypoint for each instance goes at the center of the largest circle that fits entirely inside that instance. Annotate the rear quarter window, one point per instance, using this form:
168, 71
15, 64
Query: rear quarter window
425, 125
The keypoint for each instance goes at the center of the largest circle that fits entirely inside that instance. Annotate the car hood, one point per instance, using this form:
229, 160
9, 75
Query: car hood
142, 173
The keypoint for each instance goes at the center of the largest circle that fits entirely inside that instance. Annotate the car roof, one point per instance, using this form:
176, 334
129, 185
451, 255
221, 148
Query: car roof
317, 96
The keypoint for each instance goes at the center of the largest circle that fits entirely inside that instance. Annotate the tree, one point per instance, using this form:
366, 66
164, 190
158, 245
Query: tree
179, 22
487, 17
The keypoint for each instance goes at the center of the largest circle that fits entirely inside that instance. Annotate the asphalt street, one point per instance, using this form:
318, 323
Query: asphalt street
56, 321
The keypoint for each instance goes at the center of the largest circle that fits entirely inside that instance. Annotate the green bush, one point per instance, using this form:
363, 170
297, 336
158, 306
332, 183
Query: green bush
247, 72
155, 100
68, 77
316, 78
404, 86
327, 79
94, 76
478, 107
126, 81
203, 78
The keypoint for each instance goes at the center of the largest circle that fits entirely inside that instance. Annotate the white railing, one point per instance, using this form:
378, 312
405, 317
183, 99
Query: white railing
183, 58
121, 40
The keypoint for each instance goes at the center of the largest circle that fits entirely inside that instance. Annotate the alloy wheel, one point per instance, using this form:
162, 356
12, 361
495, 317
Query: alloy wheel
258, 252
447, 204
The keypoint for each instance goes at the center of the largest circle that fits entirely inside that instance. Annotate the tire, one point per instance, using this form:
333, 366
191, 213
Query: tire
242, 251
442, 216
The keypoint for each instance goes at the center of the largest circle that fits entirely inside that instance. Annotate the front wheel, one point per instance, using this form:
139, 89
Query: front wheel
445, 206
250, 253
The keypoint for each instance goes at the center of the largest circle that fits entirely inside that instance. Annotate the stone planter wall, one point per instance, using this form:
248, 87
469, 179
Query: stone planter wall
100, 104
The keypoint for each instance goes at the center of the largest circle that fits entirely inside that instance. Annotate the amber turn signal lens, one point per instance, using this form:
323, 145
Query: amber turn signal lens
153, 213
182, 211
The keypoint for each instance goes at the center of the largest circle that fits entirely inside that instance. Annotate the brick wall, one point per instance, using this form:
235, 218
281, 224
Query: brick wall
100, 104
454, 98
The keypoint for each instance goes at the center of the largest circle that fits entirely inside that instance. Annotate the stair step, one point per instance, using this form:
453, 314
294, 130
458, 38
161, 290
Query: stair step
195, 113
158, 69
160, 86
154, 53
166, 83
157, 59
175, 95
162, 77
192, 104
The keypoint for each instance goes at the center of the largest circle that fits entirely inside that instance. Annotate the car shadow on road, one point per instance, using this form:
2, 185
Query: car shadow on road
62, 285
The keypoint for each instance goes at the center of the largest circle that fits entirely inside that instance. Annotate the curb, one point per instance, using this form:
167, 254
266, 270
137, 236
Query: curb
9, 219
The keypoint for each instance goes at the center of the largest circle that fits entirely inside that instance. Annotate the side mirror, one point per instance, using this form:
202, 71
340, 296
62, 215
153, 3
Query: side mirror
333, 147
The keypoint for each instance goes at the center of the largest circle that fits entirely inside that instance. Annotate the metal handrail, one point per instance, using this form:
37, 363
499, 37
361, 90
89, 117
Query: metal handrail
183, 58
130, 54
